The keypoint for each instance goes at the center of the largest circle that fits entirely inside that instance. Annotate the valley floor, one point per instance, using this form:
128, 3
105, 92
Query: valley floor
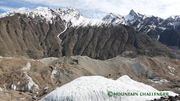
22, 78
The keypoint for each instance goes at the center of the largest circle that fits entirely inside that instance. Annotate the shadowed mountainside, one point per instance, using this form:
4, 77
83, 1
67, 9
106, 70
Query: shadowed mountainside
109, 41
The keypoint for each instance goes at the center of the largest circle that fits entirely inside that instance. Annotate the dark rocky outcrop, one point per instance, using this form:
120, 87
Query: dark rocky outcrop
170, 37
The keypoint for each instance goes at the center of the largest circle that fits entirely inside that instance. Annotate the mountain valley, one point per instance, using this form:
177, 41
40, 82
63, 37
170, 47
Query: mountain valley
45, 49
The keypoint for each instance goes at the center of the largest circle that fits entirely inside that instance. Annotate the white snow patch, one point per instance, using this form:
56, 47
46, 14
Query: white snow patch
47, 60
46, 88
129, 17
22, 98
96, 88
30, 83
148, 30
62, 31
171, 73
13, 87
27, 67
172, 69
1, 89
18, 83
9, 57
163, 28
159, 81
152, 26
138, 25
158, 37
53, 73
4, 85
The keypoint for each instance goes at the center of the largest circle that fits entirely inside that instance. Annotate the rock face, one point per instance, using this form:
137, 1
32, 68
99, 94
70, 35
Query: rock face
170, 37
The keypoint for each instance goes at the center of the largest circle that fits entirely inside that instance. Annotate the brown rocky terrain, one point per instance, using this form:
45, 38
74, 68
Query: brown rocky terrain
108, 42
169, 98
28, 79
30, 37
22, 35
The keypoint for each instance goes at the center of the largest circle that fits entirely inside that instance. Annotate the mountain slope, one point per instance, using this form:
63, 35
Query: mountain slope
25, 36
107, 42
45, 32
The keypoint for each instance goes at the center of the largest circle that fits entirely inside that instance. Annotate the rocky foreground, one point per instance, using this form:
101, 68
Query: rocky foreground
22, 78
169, 98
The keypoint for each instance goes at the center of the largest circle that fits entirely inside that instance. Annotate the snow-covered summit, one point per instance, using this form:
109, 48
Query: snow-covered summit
130, 18
114, 18
67, 14
132, 15
174, 18
98, 88
11, 13
141, 22
71, 16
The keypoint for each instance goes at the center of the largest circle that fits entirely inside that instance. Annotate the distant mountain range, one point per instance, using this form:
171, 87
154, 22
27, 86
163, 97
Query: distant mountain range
45, 32
153, 26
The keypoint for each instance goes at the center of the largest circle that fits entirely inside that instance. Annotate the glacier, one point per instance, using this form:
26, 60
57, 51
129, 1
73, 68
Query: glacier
97, 88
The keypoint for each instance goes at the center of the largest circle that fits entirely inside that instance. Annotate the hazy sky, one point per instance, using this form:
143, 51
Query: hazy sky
100, 8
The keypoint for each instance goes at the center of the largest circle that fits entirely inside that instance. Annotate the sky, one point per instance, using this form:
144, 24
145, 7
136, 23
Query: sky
99, 8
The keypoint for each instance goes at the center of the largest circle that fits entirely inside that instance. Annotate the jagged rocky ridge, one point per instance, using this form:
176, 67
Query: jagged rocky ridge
45, 32
153, 26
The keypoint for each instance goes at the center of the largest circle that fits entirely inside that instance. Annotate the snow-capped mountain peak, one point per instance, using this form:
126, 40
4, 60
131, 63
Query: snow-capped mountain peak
71, 16
111, 16
174, 18
40, 8
114, 18
11, 13
130, 18
22, 10
43, 12
132, 13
